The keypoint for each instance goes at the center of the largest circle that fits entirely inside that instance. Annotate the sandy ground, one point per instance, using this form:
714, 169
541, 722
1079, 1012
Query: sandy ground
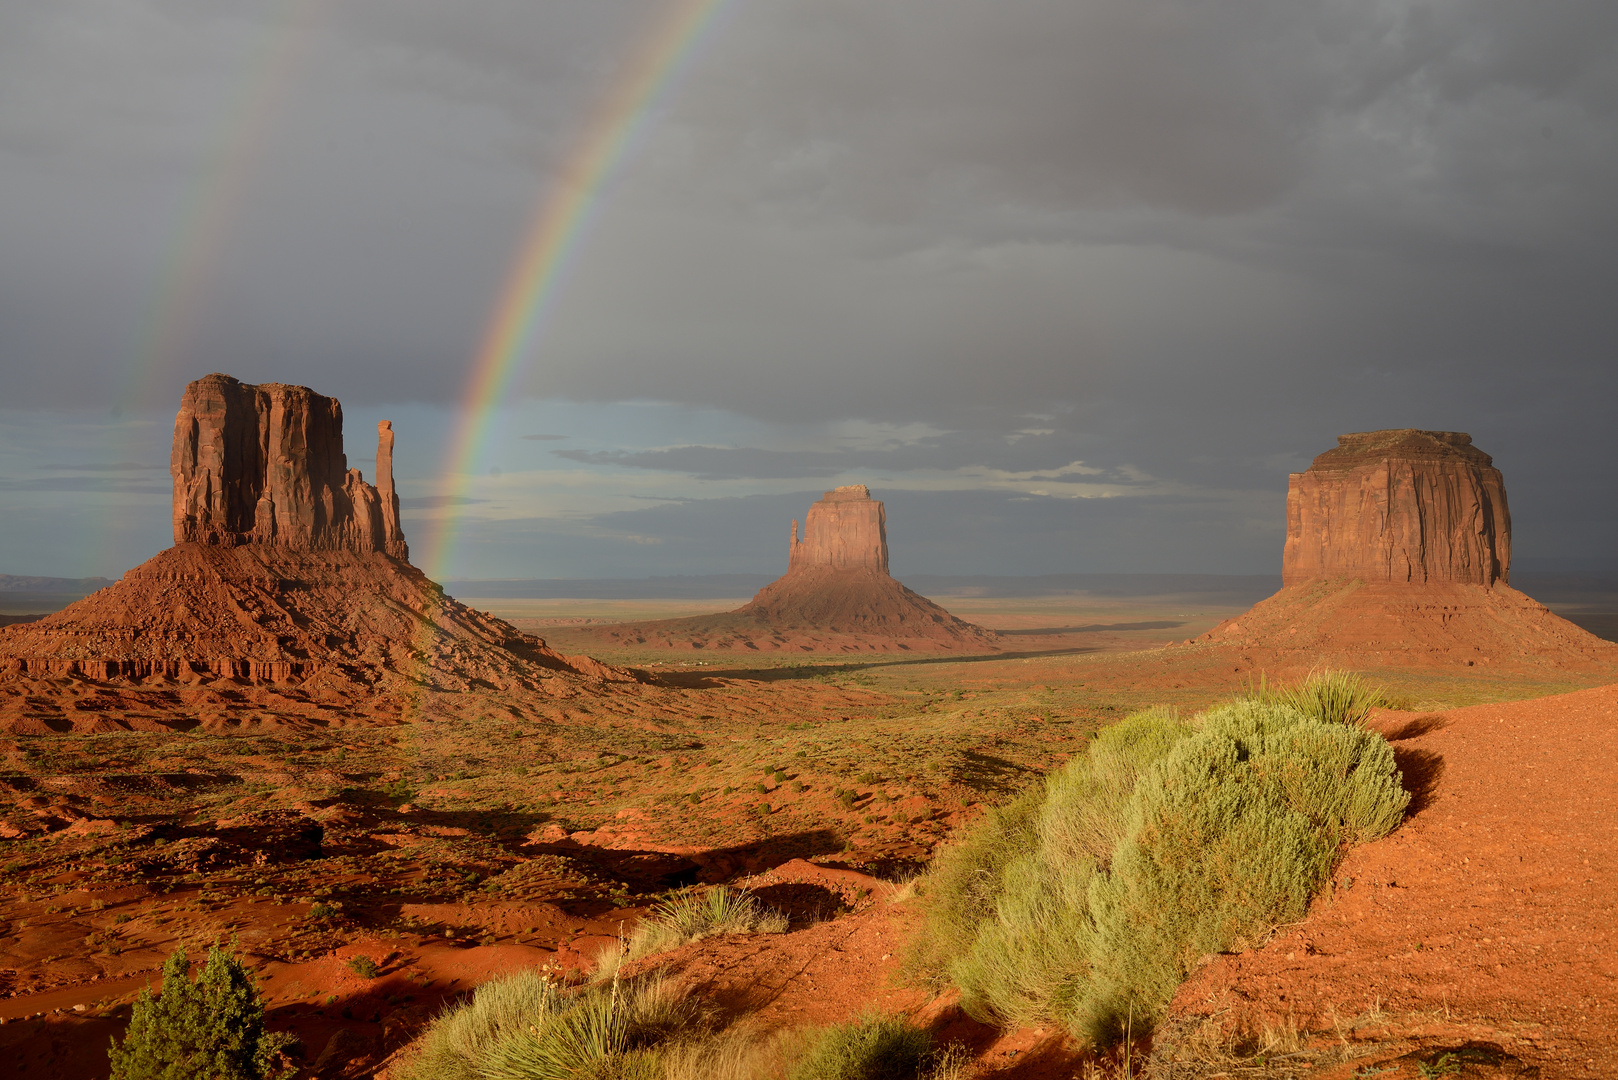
482, 841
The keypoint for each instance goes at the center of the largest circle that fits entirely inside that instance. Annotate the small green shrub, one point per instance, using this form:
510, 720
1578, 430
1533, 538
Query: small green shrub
870, 1048
363, 966
213, 1027
1088, 899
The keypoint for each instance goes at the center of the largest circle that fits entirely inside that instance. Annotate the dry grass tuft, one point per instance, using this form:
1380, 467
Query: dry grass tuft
687, 917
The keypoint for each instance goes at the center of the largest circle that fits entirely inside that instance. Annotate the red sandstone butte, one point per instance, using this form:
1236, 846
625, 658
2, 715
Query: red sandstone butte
836, 596
265, 464
845, 530
1399, 506
288, 569
1397, 554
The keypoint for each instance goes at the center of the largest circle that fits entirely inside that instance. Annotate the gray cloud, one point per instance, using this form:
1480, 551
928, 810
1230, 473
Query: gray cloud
1197, 240
437, 502
85, 483
950, 451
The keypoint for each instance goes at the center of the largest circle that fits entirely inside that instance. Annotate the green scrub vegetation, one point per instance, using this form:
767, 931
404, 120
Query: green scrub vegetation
1086, 901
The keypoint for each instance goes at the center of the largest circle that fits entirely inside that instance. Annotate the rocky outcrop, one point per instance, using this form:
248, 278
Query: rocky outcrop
1400, 506
265, 464
845, 530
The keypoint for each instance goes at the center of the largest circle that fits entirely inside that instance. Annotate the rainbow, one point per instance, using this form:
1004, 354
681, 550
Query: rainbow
554, 234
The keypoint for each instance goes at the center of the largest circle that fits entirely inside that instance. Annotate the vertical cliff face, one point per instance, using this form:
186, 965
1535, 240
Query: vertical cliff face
265, 464
1402, 506
845, 530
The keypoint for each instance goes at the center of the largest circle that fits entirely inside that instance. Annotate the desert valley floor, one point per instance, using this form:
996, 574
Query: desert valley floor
451, 837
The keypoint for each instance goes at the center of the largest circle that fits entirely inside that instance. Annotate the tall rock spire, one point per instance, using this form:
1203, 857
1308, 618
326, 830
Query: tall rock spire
392, 535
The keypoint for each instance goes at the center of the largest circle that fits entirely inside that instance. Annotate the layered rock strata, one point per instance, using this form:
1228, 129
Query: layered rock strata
1402, 506
265, 464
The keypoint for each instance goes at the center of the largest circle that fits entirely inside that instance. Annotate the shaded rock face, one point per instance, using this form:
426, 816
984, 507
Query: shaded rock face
265, 464
1399, 506
845, 530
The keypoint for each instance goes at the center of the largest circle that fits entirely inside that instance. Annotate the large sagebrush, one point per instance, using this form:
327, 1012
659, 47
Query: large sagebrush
1087, 900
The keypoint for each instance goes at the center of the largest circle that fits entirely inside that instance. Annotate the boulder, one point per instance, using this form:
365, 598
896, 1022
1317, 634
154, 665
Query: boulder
265, 464
1399, 506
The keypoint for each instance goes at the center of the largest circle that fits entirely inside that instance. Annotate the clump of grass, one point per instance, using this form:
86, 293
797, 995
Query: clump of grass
1088, 899
363, 966
529, 1027
871, 1048
691, 916
1332, 697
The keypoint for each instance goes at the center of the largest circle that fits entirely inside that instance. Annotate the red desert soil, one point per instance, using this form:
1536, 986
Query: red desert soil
1488, 918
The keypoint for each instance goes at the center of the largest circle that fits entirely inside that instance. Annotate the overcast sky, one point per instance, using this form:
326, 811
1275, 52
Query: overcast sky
1072, 286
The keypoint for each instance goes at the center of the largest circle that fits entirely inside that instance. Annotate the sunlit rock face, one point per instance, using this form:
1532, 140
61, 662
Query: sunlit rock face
845, 530
265, 464
1401, 506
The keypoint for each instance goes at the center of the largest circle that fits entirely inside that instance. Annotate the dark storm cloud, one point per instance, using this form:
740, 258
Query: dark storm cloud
1191, 240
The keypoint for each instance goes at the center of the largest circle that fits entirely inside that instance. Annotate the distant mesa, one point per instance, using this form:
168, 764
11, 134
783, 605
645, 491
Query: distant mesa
1398, 553
1418, 507
836, 596
287, 570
